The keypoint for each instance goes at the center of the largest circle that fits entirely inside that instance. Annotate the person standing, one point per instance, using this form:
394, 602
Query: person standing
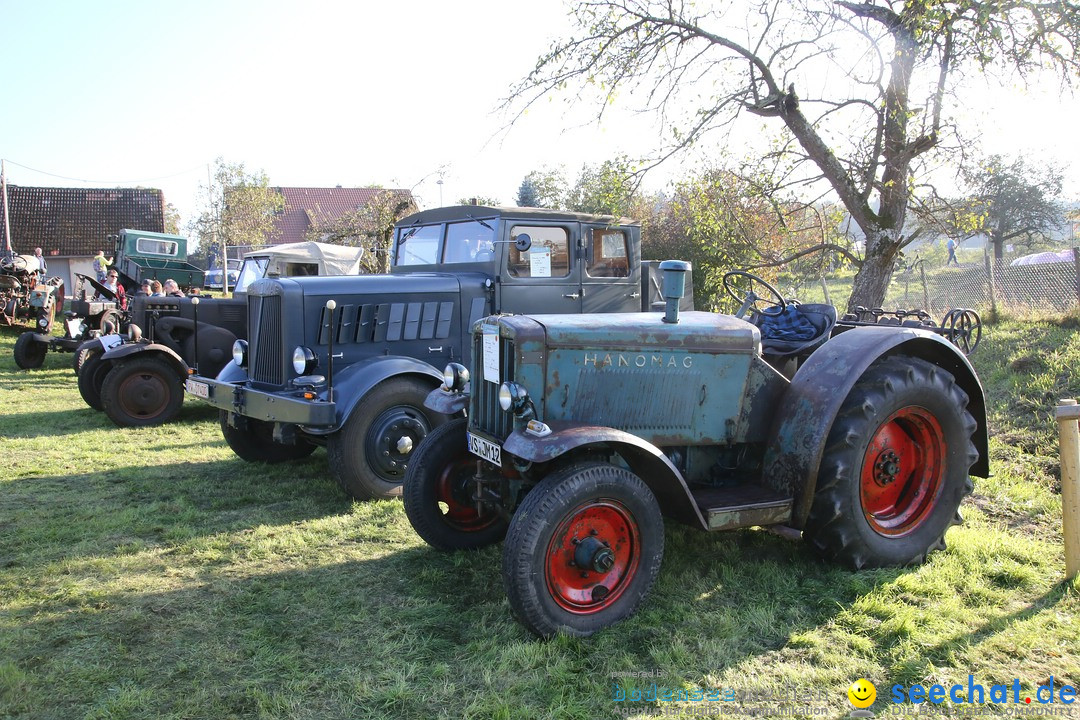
43, 267
172, 289
951, 247
101, 265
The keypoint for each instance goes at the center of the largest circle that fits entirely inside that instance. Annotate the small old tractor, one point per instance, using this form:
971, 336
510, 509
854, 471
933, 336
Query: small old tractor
584, 431
27, 296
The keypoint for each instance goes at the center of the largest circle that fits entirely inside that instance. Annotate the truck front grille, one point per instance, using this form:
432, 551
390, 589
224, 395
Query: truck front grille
485, 414
264, 332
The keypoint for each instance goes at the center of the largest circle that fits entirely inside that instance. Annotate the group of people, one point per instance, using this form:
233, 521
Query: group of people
110, 278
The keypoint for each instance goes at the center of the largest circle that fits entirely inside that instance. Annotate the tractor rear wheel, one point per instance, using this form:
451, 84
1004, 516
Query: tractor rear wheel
91, 376
142, 391
895, 467
29, 353
583, 550
438, 493
256, 442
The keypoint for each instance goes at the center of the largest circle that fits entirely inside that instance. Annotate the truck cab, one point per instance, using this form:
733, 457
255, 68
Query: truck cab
347, 362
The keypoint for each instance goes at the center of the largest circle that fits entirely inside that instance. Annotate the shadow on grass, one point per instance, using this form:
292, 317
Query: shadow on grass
100, 514
406, 633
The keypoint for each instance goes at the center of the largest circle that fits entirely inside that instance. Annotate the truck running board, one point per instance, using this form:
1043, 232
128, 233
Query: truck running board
741, 506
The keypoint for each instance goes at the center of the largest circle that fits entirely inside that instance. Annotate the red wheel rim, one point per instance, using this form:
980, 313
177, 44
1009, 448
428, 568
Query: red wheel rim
592, 557
451, 490
902, 472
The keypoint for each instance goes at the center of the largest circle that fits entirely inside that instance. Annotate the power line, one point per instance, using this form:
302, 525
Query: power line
106, 182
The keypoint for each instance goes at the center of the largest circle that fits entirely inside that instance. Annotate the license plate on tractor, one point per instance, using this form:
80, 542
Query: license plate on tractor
485, 449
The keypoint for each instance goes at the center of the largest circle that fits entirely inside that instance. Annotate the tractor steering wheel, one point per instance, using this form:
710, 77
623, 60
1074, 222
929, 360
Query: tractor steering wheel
770, 305
12, 262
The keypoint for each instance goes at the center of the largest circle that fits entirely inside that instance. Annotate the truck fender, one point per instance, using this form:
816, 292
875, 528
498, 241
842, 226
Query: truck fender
643, 458
232, 373
360, 378
446, 402
126, 350
806, 412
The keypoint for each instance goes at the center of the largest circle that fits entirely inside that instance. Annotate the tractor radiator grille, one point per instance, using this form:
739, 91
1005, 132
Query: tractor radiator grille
485, 414
264, 331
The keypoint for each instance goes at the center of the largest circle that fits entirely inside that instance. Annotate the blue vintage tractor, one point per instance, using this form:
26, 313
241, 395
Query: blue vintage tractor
583, 432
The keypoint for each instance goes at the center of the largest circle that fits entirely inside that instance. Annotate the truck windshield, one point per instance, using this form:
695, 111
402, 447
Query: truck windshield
419, 245
250, 271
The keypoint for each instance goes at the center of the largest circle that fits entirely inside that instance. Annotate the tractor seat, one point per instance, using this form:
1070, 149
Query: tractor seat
820, 316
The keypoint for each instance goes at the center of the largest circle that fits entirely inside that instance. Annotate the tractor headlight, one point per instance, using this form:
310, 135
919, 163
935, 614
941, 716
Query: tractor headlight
240, 353
455, 376
303, 360
134, 333
43, 322
512, 397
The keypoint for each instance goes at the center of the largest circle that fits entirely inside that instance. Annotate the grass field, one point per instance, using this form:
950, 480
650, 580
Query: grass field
149, 573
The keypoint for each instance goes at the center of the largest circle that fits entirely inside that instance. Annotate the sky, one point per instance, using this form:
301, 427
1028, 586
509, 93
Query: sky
323, 93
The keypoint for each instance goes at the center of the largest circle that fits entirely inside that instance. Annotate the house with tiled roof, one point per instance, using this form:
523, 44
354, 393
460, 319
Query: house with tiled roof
70, 225
311, 210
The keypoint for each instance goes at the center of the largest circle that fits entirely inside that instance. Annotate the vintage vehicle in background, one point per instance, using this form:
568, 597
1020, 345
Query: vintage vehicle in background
142, 255
27, 296
137, 378
348, 362
584, 431
214, 279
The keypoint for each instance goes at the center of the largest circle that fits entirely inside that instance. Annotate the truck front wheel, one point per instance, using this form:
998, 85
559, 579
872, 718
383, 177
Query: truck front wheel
144, 390
369, 455
583, 550
895, 467
255, 443
29, 353
438, 493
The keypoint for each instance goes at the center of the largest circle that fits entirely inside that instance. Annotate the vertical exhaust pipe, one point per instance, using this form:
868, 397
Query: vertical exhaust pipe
674, 287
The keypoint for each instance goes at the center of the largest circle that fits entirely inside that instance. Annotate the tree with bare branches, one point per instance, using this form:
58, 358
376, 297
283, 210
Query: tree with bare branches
862, 89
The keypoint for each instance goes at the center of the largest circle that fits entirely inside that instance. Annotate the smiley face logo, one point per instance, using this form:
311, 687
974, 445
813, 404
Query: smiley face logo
862, 693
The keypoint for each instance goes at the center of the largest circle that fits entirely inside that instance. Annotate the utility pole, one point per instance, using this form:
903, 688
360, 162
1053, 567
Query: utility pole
7, 221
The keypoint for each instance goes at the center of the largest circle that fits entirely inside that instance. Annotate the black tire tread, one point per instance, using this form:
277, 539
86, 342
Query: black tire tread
29, 353
827, 527
257, 444
110, 401
562, 491
427, 463
91, 376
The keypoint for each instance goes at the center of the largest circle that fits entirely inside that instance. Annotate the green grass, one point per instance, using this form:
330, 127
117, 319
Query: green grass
148, 573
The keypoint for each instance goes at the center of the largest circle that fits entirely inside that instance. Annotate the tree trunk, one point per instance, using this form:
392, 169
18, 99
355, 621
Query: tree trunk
872, 281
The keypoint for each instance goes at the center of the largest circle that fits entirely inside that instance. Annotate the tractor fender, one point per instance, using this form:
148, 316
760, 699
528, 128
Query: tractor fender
643, 458
122, 352
358, 379
446, 402
806, 413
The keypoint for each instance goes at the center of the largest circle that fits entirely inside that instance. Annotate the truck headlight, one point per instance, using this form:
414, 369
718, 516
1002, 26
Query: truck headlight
512, 397
240, 352
455, 376
303, 360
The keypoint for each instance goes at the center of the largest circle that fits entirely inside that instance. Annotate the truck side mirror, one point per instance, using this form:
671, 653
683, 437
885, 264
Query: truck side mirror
523, 242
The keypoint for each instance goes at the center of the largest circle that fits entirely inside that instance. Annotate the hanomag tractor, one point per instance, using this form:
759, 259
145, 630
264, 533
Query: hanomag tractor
583, 431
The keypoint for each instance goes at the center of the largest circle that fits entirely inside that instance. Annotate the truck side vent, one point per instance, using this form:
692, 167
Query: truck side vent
485, 413
389, 322
265, 334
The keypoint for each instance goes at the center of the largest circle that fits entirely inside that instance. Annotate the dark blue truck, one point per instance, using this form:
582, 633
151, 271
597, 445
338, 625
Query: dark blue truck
346, 362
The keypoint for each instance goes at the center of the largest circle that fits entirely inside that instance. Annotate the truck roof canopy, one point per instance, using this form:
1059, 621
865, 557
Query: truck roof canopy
338, 259
479, 212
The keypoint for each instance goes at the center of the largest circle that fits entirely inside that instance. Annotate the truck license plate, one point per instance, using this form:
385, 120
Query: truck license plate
198, 389
485, 449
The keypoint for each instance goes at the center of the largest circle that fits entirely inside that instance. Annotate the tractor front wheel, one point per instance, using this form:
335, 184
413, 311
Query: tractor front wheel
895, 467
583, 550
438, 494
91, 377
29, 353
